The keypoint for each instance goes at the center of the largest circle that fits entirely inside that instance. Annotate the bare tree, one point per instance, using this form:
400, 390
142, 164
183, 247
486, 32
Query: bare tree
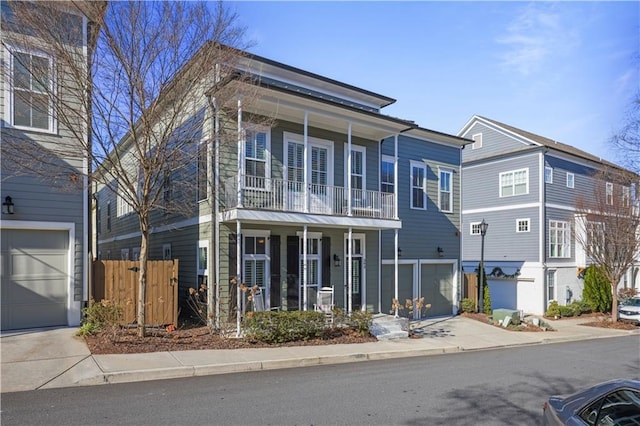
608, 224
141, 95
627, 139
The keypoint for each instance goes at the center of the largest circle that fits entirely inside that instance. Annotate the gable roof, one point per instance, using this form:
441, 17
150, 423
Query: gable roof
538, 140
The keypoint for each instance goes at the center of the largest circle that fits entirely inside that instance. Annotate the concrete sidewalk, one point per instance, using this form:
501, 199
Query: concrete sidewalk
53, 358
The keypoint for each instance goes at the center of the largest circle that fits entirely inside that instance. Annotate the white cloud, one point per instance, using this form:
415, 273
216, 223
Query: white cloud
534, 37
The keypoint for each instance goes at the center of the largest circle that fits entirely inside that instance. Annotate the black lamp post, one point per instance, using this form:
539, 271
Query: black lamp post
483, 231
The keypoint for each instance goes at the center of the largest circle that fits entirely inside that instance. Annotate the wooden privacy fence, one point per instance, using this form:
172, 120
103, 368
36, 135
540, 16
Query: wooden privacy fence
470, 288
117, 281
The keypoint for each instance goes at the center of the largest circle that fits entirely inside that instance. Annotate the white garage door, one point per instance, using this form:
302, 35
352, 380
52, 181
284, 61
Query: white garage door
35, 281
437, 288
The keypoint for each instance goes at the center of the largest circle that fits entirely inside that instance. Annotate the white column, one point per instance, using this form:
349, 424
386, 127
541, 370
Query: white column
306, 163
395, 271
395, 179
238, 275
350, 271
304, 268
240, 153
349, 195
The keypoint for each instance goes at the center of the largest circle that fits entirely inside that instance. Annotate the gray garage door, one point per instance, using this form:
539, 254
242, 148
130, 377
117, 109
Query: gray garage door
437, 288
34, 278
405, 287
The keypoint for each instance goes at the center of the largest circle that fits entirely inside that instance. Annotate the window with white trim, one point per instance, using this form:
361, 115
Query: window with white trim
548, 174
387, 175
257, 147
515, 182
255, 260
31, 82
626, 196
124, 254
358, 167
445, 191
570, 180
135, 253
477, 141
202, 176
595, 237
551, 286
124, 206
202, 263
418, 185
523, 225
610, 193
559, 243
474, 228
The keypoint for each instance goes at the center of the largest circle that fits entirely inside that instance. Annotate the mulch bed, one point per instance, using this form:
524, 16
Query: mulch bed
126, 341
593, 320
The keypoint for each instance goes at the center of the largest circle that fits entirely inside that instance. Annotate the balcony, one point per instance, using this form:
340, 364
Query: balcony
279, 195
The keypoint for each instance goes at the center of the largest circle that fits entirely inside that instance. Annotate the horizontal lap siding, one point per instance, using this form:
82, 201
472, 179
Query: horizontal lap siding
502, 242
423, 231
494, 142
558, 192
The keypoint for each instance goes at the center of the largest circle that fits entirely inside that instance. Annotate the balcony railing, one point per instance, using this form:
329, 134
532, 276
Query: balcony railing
252, 192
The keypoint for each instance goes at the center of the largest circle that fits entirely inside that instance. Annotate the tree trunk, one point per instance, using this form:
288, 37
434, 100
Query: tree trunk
614, 303
142, 280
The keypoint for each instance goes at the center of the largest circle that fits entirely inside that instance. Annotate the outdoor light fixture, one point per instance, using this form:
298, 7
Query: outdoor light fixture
483, 231
7, 206
399, 252
440, 251
336, 260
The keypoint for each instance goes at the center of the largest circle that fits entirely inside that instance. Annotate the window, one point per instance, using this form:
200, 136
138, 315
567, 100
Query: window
523, 225
202, 264
99, 221
166, 188
551, 286
570, 180
621, 407
548, 174
445, 193
255, 260
32, 80
477, 141
418, 185
387, 175
256, 159
358, 171
135, 253
609, 193
595, 237
626, 196
124, 254
514, 183
475, 228
108, 216
166, 252
559, 245
124, 203
202, 172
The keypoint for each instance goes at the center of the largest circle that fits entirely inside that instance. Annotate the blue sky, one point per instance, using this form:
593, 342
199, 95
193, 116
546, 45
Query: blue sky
564, 70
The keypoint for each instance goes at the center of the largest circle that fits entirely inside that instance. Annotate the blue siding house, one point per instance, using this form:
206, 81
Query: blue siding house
525, 186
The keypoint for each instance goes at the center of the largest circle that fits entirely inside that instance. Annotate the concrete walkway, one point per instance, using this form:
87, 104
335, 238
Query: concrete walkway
53, 358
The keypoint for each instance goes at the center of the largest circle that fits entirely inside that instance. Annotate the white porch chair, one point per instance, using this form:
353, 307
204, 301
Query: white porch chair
258, 303
325, 303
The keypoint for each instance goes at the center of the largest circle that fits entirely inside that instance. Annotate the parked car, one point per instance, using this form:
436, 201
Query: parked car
615, 402
630, 310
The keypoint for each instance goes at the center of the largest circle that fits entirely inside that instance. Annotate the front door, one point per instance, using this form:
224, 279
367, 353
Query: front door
314, 270
357, 271
255, 263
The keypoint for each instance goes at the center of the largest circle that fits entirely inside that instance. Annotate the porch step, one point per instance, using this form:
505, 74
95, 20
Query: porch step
386, 327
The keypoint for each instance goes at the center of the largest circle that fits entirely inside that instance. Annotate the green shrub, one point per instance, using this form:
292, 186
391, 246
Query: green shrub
468, 305
361, 322
100, 315
597, 290
566, 311
486, 294
581, 307
553, 310
286, 326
